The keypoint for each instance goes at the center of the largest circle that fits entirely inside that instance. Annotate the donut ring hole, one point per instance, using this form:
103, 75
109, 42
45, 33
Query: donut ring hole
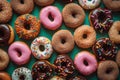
84, 36
89, 0
50, 17
85, 63
109, 70
41, 48
106, 47
119, 32
74, 15
19, 52
1, 8
22, 1
22, 77
27, 26
64, 64
63, 41
1, 33
101, 17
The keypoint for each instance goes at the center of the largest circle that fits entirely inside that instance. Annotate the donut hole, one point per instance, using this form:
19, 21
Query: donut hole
84, 36
89, 0
109, 70
22, 77
85, 62
106, 47
1, 8
63, 41
101, 17
74, 15
41, 48
119, 32
27, 26
51, 17
63, 63
19, 52
22, 1
1, 33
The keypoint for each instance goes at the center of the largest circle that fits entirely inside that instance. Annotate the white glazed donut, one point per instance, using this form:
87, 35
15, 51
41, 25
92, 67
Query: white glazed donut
86, 4
22, 73
41, 48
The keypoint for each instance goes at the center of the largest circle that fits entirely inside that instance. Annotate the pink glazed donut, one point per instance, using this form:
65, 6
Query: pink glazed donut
51, 17
85, 62
19, 52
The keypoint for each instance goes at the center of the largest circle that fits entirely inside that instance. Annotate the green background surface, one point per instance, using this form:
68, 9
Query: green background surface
47, 33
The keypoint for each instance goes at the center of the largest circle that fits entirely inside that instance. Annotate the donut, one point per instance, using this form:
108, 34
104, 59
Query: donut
85, 36
22, 73
89, 4
42, 70
118, 58
101, 19
4, 59
43, 2
107, 70
56, 78
22, 6
5, 11
21, 52
51, 17
104, 49
63, 41
113, 5
73, 15
85, 62
114, 32
78, 78
6, 34
4, 76
41, 48
64, 66
27, 26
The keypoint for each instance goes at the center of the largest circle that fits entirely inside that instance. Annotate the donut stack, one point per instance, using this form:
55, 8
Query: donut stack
59, 44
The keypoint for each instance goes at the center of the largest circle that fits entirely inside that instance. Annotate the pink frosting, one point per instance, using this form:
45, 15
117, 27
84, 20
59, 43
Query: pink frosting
56, 15
19, 53
91, 60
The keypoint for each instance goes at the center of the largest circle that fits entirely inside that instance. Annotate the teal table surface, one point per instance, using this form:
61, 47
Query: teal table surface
48, 33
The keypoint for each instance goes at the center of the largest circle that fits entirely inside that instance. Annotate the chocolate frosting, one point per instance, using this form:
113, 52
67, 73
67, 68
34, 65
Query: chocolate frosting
4, 34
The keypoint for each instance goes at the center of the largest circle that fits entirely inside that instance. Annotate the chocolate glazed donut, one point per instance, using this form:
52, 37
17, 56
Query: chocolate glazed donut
22, 6
114, 5
64, 66
4, 34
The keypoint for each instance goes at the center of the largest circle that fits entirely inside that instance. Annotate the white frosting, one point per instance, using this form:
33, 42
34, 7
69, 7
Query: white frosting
37, 52
89, 4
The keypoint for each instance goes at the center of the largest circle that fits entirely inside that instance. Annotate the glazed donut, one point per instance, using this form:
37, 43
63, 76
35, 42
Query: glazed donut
85, 62
4, 76
85, 36
101, 19
114, 5
41, 48
105, 49
22, 73
27, 26
42, 70
78, 78
107, 70
56, 78
6, 34
22, 6
64, 66
118, 58
21, 52
63, 41
6, 11
89, 4
43, 2
114, 32
51, 17
4, 59
73, 15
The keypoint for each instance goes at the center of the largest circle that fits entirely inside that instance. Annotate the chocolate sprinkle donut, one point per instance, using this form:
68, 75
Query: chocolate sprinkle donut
107, 70
42, 70
64, 66
105, 49
101, 19
5, 11
22, 6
